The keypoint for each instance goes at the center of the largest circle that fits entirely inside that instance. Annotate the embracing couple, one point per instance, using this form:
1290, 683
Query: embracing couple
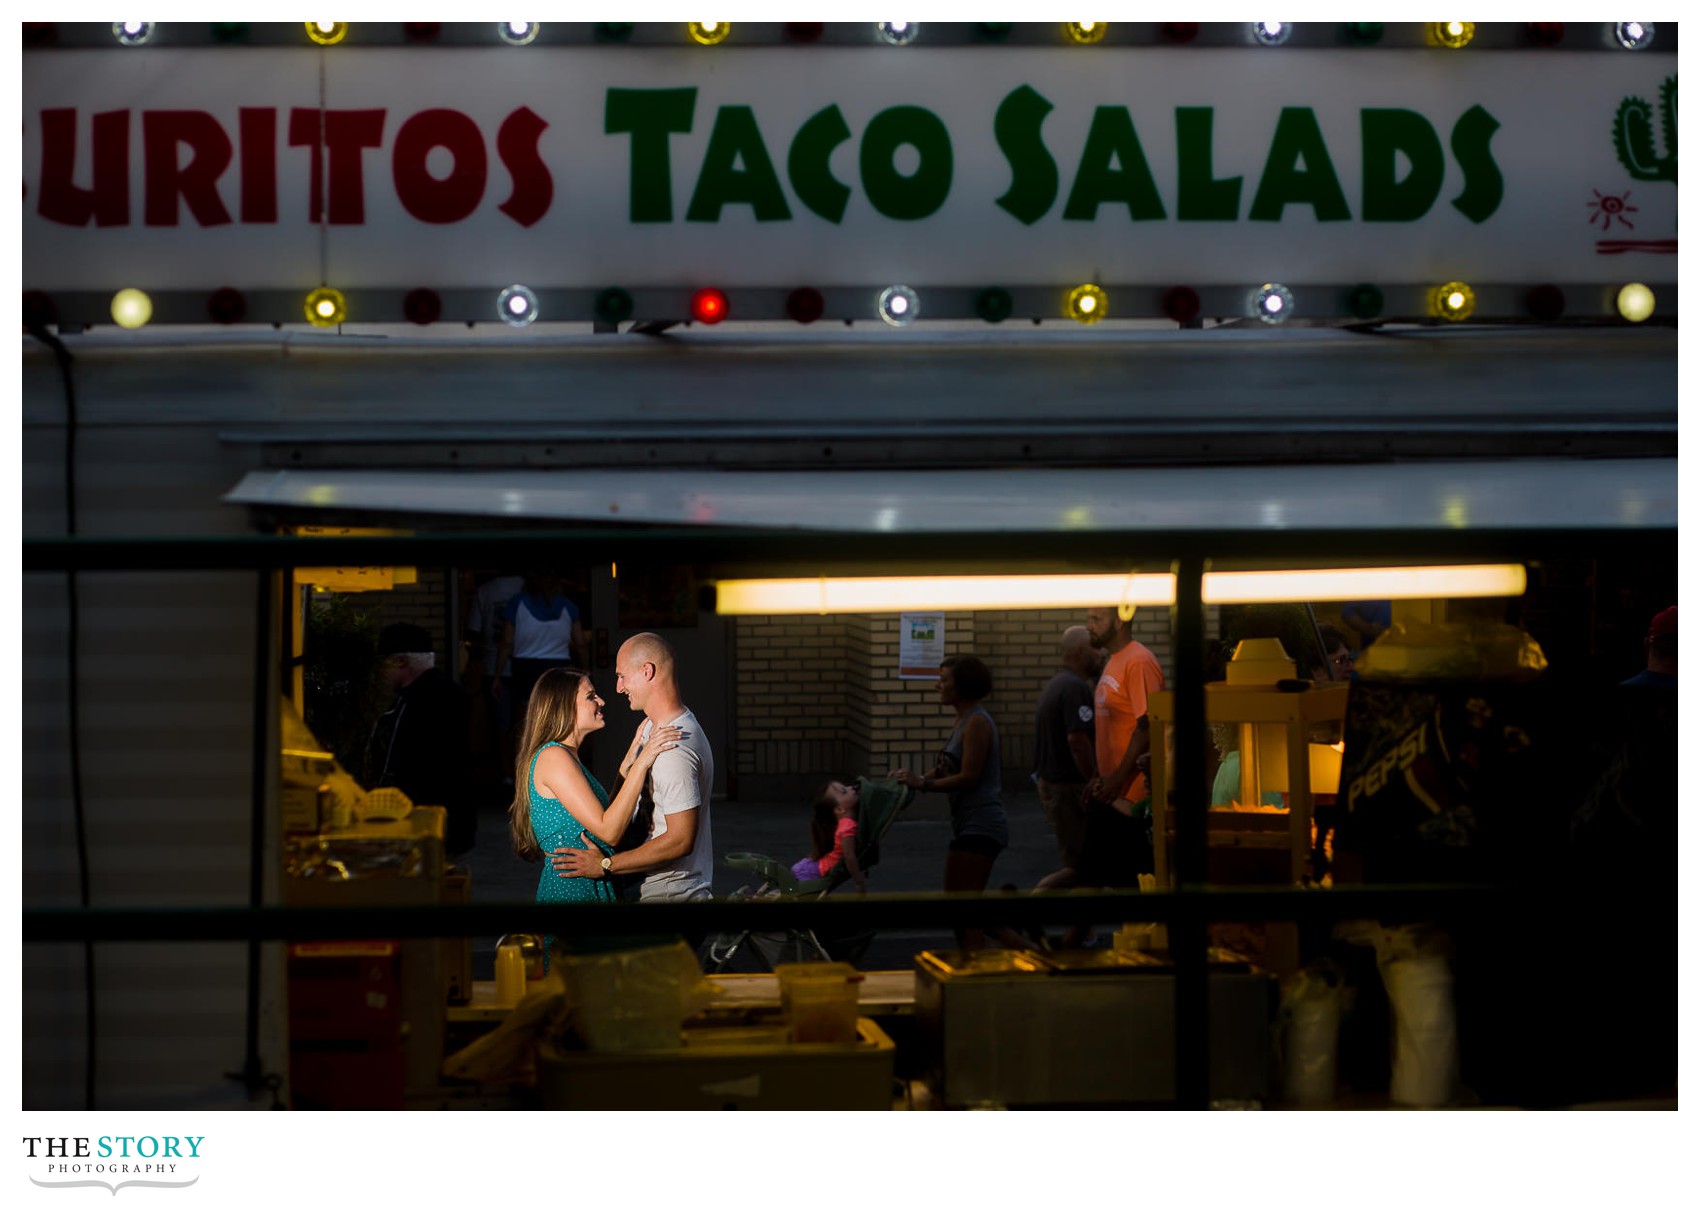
656, 829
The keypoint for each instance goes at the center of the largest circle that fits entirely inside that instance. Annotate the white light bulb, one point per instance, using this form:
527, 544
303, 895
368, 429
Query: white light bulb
1634, 35
898, 33
518, 33
1272, 302
898, 305
1272, 33
517, 305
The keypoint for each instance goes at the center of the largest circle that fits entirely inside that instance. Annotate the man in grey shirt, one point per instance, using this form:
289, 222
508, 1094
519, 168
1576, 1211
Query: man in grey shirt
676, 860
1063, 758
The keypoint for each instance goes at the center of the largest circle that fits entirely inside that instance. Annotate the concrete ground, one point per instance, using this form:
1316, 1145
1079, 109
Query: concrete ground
911, 860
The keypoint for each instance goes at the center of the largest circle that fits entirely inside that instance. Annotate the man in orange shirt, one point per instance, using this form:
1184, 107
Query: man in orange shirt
1123, 733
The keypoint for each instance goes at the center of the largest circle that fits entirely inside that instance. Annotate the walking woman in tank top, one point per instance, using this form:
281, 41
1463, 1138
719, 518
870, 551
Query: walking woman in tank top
968, 769
557, 800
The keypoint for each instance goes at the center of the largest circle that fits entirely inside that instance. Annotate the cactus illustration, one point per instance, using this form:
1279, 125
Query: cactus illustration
1633, 135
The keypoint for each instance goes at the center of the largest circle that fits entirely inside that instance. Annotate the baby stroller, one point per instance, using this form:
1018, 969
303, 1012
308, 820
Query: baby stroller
879, 802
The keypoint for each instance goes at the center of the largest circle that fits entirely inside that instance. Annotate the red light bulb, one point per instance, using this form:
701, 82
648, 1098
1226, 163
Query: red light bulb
1181, 304
39, 310
708, 306
227, 305
422, 306
1545, 302
805, 305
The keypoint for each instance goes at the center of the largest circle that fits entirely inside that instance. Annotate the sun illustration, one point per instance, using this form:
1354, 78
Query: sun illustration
1607, 207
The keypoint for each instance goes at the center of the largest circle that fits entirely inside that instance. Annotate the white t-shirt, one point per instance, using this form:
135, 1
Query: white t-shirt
681, 779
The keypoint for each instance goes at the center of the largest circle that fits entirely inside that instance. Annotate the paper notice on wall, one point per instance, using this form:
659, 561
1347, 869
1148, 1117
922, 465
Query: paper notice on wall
921, 646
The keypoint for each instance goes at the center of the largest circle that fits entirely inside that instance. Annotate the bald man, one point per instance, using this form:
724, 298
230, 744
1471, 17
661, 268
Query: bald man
676, 860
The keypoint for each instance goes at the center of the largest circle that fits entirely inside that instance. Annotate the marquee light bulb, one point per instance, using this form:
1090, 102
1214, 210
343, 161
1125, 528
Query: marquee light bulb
1635, 302
708, 33
1365, 301
517, 305
227, 305
1181, 304
131, 308
39, 309
1634, 35
614, 306
325, 307
422, 306
132, 33
1454, 35
1272, 303
994, 305
1452, 301
898, 33
805, 305
518, 33
1272, 33
1087, 32
898, 306
327, 33
1545, 302
1087, 303
709, 306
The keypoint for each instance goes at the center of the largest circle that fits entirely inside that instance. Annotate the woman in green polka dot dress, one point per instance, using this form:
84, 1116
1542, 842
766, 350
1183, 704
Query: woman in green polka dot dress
557, 801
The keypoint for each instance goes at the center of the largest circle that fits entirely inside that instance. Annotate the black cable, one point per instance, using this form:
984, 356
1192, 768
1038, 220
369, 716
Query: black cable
74, 709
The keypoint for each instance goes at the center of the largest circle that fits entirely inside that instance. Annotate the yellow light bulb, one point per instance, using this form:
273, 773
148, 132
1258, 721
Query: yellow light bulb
707, 33
1635, 302
327, 33
131, 308
1087, 303
326, 308
1087, 32
1452, 34
1454, 301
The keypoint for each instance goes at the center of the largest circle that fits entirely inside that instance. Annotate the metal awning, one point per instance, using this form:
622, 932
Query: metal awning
1524, 494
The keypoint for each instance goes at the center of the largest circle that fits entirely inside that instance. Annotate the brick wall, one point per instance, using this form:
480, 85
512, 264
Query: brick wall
424, 603
819, 696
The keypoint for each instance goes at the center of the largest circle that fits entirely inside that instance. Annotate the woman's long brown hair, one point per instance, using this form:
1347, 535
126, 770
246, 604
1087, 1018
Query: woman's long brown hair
548, 717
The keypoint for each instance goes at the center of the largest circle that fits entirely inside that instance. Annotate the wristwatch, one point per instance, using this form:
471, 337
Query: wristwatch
607, 865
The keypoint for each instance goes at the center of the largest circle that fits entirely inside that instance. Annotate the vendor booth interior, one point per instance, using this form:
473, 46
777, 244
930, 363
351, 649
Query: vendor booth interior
836, 356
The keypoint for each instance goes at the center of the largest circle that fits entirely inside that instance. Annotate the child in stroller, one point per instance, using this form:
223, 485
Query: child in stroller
873, 804
832, 829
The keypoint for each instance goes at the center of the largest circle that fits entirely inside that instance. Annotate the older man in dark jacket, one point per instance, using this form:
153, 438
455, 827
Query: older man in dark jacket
420, 744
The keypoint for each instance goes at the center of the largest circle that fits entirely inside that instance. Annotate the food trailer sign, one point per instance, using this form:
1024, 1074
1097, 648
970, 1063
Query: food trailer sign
458, 167
920, 645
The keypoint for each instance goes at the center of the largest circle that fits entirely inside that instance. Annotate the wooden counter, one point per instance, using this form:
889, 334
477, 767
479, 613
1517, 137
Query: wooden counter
880, 993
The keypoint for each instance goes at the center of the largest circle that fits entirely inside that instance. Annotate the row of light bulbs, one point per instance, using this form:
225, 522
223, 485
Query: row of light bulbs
1631, 35
899, 306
